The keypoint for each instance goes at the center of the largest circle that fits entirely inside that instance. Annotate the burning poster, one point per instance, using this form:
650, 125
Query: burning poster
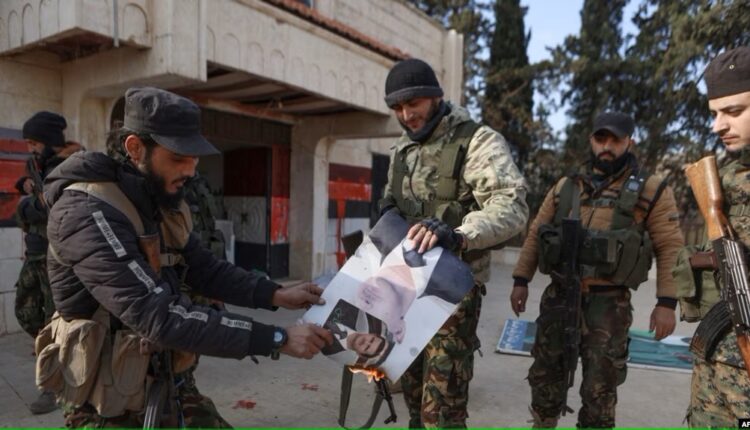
388, 301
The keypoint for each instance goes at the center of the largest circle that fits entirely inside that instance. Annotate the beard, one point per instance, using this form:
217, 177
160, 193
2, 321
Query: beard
158, 184
612, 166
434, 106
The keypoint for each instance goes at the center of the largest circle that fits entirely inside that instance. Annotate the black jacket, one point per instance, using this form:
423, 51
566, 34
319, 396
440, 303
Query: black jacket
101, 264
31, 212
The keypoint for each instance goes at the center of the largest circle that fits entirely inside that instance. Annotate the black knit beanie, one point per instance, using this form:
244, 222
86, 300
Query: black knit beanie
409, 79
728, 73
45, 127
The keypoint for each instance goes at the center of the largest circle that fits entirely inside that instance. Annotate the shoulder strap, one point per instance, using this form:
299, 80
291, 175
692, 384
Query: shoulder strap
657, 194
565, 199
628, 198
400, 170
452, 159
346, 391
110, 193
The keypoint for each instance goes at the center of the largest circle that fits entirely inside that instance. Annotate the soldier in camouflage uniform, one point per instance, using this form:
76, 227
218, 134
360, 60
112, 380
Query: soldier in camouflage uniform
720, 392
206, 209
34, 305
455, 181
617, 201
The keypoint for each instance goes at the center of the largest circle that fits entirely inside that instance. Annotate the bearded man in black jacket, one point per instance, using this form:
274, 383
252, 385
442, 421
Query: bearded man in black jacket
118, 231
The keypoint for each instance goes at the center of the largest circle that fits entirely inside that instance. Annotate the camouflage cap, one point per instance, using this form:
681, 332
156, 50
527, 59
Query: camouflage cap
729, 73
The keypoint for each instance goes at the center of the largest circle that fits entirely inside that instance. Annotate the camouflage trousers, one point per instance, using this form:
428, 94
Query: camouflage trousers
436, 385
198, 411
719, 395
34, 304
606, 318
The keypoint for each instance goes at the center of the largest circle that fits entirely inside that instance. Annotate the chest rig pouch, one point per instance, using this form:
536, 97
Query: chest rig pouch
445, 205
97, 360
621, 255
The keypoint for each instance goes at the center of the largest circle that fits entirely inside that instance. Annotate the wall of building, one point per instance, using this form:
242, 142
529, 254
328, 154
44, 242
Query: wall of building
394, 23
351, 190
170, 44
11, 254
401, 25
29, 83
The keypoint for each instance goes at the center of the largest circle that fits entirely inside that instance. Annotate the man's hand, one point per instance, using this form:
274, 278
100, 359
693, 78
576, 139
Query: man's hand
663, 321
298, 297
304, 341
518, 299
431, 232
28, 186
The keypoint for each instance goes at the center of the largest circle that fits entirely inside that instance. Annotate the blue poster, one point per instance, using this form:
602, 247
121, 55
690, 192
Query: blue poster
670, 353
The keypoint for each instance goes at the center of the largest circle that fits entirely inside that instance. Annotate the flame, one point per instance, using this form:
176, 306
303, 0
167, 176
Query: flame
372, 373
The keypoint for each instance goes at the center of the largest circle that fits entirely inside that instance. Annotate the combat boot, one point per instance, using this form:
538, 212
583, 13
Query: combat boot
44, 404
542, 423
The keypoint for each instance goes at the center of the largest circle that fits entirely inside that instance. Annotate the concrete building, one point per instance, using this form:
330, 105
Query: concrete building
292, 94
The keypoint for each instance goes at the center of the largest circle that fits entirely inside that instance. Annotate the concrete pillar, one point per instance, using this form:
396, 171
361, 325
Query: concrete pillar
308, 208
453, 54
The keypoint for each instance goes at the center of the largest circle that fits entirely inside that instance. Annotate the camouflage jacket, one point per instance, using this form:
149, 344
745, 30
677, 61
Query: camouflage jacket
488, 175
205, 208
736, 188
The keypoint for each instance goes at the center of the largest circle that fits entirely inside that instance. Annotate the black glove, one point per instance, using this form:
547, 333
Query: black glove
447, 237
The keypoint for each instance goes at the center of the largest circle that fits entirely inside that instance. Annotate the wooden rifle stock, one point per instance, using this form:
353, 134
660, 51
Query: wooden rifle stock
704, 180
704, 261
706, 185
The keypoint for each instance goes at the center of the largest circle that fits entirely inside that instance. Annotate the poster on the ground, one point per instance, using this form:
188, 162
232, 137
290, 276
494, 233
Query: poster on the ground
388, 301
670, 353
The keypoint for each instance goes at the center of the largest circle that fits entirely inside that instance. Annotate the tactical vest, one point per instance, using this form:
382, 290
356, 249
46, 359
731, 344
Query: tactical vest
445, 205
622, 254
97, 360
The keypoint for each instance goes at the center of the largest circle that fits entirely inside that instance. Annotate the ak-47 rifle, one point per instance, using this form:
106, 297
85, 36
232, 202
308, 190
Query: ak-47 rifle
570, 281
704, 181
32, 166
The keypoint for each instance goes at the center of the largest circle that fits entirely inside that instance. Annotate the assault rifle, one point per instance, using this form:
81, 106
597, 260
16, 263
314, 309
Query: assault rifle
570, 281
163, 408
704, 181
32, 166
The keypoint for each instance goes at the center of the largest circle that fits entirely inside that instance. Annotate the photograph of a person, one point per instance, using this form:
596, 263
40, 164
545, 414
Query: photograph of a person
388, 300
359, 334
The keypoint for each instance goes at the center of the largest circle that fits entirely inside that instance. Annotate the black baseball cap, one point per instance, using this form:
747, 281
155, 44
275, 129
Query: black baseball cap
728, 73
174, 122
617, 123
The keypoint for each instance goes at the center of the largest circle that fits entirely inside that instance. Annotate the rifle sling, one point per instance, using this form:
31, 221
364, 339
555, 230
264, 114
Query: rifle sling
346, 392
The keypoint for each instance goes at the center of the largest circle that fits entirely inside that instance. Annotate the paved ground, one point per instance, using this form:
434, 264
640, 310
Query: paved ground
293, 393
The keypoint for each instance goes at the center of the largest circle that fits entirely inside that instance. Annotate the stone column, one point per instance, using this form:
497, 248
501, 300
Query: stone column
308, 206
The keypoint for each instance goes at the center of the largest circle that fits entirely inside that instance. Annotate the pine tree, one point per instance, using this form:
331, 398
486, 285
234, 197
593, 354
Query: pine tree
675, 42
591, 65
466, 17
508, 93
